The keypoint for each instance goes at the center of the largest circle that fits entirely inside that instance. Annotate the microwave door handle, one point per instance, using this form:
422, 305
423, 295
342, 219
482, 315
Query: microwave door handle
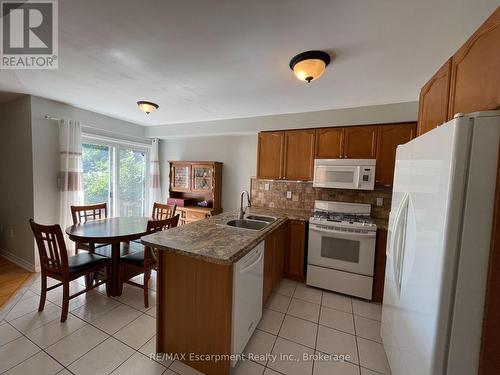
357, 176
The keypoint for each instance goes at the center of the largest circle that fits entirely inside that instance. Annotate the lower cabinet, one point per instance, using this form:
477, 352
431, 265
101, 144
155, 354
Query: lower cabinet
295, 256
274, 260
284, 255
380, 259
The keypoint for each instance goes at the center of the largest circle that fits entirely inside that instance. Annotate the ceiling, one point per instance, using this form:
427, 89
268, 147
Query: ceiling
220, 59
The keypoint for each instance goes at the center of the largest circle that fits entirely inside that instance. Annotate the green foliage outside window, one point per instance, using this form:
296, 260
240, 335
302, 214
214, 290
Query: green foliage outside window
97, 178
96, 173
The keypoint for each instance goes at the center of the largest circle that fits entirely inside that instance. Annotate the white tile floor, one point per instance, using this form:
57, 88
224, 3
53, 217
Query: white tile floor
116, 335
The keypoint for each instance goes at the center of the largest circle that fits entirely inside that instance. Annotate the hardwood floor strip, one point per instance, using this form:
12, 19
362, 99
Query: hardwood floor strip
12, 277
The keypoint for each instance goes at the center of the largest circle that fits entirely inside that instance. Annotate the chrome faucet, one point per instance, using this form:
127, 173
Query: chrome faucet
242, 211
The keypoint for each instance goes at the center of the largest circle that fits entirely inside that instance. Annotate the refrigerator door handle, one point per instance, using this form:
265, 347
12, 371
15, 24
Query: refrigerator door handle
395, 226
403, 246
397, 241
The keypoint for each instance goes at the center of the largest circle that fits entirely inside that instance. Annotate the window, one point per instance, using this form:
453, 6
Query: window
132, 182
115, 173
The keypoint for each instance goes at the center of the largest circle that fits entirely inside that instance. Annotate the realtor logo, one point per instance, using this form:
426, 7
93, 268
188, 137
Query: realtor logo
29, 34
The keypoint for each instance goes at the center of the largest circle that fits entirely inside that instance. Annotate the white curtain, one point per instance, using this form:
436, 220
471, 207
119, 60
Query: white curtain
154, 175
71, 170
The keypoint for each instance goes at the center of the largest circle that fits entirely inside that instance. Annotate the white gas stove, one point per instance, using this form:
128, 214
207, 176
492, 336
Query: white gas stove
342, 239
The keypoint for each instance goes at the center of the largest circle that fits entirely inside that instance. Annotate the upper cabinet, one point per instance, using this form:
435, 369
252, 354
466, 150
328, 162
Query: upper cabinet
360, 142
299, 155
286, 155
270, 155
433, 105
475, 70
388, 139
468, 82
329, 143
290, 154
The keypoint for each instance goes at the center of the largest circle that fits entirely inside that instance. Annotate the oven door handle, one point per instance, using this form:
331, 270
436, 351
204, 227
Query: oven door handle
333, 231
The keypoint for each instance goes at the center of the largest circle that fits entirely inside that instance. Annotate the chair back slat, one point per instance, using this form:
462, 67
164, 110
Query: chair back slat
163, 211
157, 226
51, 247
82, 214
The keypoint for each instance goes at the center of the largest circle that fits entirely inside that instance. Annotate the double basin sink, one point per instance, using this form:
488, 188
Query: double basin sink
251, 222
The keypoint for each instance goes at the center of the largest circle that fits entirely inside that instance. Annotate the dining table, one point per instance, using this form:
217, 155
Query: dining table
110, 231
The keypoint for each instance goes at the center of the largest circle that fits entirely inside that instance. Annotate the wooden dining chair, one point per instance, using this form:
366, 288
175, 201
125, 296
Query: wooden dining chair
56, 264
82, 214
163, 211
141, 259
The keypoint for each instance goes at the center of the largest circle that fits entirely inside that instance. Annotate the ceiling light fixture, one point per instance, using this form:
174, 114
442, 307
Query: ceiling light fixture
310, 65
147, 107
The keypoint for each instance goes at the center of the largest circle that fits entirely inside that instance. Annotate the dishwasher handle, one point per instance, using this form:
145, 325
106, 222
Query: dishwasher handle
247, 268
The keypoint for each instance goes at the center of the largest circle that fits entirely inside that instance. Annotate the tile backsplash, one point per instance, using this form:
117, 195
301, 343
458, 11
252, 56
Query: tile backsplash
303, 196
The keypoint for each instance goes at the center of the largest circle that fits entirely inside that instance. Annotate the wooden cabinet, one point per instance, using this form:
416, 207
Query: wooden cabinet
329, 143
360, 142
197, 181
388, 138
270, 155
380, 259
274, 260
299, 155
295, 257
433, 104
475, 70
287, 155
290, 154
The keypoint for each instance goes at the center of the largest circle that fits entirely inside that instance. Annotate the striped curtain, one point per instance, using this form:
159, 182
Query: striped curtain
154, 174
71, 170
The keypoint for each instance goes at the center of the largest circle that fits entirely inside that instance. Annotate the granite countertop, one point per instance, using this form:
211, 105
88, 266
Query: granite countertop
210, 241
214, 242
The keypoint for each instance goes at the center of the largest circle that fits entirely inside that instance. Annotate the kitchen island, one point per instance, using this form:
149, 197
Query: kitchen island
195, 286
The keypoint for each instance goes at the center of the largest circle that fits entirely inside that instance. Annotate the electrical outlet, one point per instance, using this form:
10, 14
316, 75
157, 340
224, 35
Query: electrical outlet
380, 201
288, 195
266, 186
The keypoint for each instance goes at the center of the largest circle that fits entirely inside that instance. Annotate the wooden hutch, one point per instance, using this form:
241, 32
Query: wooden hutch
199, 181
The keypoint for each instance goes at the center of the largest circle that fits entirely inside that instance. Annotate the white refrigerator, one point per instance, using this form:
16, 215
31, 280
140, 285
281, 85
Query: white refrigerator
438, 247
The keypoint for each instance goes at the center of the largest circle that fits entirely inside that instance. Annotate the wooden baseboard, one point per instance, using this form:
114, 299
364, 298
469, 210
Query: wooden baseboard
19, 261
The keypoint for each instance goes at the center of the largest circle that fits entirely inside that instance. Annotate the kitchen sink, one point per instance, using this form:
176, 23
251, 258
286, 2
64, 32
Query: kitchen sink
267, 219
247, 224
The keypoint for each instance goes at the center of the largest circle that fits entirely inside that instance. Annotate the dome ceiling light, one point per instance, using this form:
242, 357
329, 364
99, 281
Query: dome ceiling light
310, 65
147, 107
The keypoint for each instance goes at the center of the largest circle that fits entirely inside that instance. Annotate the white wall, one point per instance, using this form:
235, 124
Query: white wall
16, 186
46, 148
238, 153
29, 150
375, 114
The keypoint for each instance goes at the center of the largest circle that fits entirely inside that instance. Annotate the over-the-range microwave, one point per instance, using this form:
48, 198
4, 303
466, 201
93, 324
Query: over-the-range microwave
357, 174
